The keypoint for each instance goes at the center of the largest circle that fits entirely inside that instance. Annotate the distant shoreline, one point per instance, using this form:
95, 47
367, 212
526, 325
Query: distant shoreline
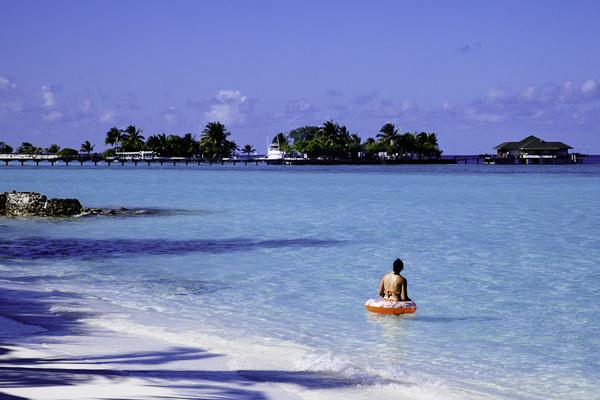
96, 160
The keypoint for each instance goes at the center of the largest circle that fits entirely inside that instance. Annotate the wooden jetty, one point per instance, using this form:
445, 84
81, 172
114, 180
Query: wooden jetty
98, 160
89, 160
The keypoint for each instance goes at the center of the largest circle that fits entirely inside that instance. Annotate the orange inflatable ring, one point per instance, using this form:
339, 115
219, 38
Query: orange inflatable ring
390, 307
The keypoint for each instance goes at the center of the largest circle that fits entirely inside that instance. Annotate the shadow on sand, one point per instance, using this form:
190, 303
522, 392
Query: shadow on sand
36, 308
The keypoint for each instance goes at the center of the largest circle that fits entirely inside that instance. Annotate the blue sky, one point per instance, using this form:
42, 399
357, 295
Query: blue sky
475, 72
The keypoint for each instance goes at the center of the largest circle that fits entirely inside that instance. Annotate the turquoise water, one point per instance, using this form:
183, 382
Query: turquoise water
501, 260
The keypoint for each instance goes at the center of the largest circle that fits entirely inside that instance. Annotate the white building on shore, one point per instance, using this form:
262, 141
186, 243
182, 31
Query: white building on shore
135, 155
28, 156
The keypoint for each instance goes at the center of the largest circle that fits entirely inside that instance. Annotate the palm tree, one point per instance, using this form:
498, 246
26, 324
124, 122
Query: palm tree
132, 138
53, 148
426, 145
87, 147
282, 141
407, 145
248, 149
353, 146
160, 144
113, 136
388, 136
371, 147
347, 142
231, 148
330, 131
153, 144
304, 133
330, 135
189, 145
28, 148
5, 148
214, 143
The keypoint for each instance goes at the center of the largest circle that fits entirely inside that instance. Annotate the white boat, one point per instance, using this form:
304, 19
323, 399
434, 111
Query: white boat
273, 153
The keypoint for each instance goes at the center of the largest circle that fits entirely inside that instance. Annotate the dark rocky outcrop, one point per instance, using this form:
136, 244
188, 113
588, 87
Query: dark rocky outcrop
31, 204
124, 212
2, 203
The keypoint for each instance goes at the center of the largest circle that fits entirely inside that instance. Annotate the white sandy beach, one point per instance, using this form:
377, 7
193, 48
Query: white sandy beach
63, 358
53, 346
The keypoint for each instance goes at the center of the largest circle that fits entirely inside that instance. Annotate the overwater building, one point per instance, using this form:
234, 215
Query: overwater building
533, 150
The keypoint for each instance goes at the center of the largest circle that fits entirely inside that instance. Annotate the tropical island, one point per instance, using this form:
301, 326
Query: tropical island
329, 143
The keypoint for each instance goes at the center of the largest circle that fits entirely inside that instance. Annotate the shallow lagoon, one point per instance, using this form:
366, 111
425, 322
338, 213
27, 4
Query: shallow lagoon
501, 261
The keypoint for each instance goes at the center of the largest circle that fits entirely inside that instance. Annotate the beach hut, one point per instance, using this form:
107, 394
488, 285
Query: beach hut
533, 150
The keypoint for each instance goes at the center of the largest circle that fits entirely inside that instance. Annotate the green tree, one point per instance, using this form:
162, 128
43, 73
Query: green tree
28, 148
353, 146
303, 133
173, 145
248, 149
87, 147
109, 153
132, 139
427, 146
5, 148
189, 146
67, 152
388, 137
349, 144
282, 141
407, 145
303, 139
159, 144
433, 146
214, 143
372, 148
113, 136
330, 139
53, 148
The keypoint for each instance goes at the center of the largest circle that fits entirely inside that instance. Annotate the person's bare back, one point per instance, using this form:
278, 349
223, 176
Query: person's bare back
393, 286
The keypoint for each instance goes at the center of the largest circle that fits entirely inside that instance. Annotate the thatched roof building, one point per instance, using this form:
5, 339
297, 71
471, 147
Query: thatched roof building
532, 147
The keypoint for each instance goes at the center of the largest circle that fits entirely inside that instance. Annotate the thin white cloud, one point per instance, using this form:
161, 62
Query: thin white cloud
528, 92
364, 98
48, 96
590, 86
472, 113
405, 110
87, 106
5, 83
407, 105
230, 107
10, 99
546, 105
300, 106
170, 115
496, 94
53, 115
298, 111
107, 116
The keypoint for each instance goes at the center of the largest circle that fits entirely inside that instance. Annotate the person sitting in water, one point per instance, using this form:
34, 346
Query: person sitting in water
393, 285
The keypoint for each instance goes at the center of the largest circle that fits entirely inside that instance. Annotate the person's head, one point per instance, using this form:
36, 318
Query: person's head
398, 266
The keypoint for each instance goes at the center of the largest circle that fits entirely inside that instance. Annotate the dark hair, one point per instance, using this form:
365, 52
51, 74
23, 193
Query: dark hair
398, 266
